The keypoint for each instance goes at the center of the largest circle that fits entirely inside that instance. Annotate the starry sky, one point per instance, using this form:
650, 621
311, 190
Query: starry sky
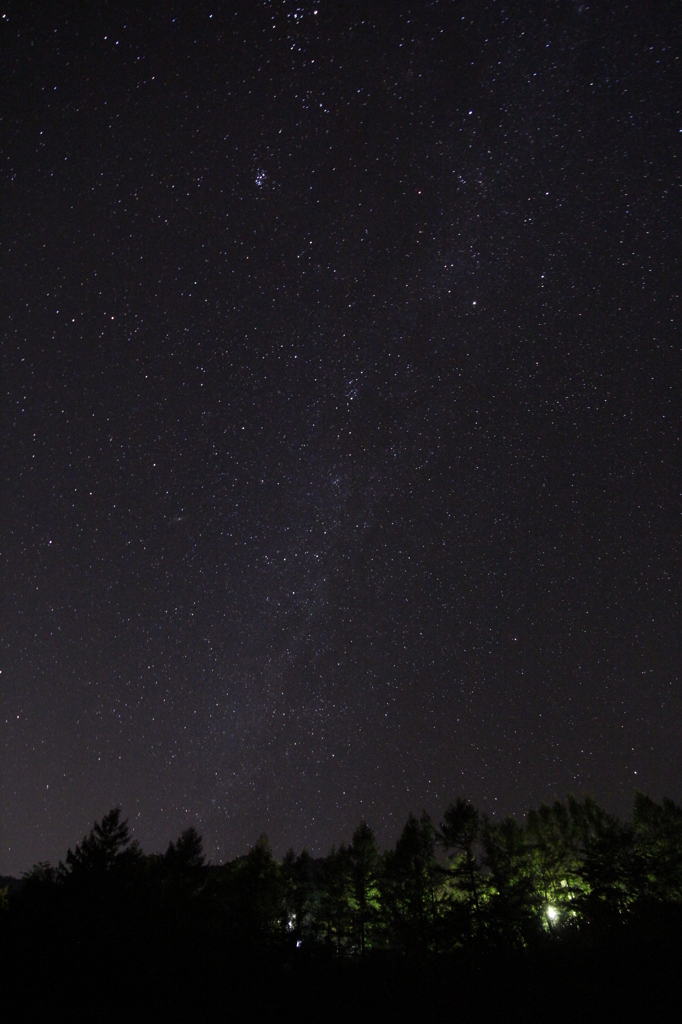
341, 395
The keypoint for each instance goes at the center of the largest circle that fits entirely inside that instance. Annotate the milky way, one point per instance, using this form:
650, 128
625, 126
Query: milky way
341, 431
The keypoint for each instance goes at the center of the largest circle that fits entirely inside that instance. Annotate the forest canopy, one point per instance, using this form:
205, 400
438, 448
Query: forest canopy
568, 870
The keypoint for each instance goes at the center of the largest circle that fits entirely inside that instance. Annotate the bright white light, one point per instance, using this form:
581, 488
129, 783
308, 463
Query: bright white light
552, 913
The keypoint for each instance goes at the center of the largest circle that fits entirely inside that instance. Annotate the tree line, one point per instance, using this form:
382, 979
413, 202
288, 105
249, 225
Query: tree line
570, 872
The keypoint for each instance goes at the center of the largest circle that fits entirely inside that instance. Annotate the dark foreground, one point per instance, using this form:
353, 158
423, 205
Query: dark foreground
628, 983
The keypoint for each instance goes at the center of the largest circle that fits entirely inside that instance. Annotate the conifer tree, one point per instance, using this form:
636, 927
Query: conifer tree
412, 885
335, 906
364, 859
513, 909
106, 849
459, 834
299, 892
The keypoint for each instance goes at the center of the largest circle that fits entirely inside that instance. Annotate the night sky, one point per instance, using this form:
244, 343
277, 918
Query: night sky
341, 414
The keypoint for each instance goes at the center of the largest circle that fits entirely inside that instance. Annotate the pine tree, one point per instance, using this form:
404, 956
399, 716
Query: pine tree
513, 909
335, 908
299, 892
364, 859
658, 850
412, 885
460, 834
106, 849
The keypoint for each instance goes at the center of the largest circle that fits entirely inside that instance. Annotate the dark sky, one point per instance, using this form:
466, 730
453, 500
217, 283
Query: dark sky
341, 354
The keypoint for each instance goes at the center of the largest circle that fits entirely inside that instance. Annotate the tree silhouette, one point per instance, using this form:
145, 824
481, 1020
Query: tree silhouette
459, 833
412, 885
187, 853
607, 863
513, 908
572, 871
334, 916
658, 849
251, 893
105, 849
298, 892
364, 862
555, 836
